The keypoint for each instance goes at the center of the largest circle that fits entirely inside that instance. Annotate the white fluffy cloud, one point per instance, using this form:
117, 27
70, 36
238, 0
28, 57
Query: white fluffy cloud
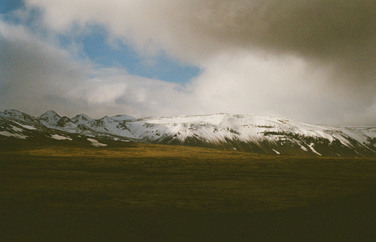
36, 76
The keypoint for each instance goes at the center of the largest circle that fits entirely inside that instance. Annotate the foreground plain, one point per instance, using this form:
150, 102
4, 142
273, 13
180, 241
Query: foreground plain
143, 192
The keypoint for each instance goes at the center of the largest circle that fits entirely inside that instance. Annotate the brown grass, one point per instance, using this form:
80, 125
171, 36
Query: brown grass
152, 176
71, 180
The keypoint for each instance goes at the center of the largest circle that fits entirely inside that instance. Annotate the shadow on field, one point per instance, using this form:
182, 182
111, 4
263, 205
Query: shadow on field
170, 193
350, 218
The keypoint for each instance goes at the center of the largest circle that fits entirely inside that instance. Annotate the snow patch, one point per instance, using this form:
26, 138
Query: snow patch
26, 126
276, 151
303, 148
60, 137
7, 134
313, 150
16, 128
95, 142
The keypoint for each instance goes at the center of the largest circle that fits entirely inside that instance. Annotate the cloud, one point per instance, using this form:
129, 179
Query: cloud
37, 76
280, 86
308, 60
326, 31
32, 69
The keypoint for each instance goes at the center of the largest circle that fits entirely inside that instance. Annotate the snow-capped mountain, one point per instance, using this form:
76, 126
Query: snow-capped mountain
225, 131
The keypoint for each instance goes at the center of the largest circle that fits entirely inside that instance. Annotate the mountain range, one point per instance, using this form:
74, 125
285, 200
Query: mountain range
257, 134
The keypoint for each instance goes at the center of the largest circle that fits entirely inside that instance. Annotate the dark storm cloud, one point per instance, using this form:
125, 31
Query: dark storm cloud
337, 33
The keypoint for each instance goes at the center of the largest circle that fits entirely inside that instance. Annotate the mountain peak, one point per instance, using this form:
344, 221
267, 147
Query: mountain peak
18, 115
81, 118
49, 113
49, 118
13, 112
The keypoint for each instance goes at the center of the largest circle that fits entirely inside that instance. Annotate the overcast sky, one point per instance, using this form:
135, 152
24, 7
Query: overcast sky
312, 61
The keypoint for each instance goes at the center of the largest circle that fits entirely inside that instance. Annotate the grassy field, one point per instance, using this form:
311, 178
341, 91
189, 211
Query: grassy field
145, 192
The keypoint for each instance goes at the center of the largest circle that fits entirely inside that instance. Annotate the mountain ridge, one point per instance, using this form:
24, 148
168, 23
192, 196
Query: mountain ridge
241, 132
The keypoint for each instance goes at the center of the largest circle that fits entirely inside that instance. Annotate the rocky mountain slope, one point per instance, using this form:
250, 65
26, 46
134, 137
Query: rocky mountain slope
224, 131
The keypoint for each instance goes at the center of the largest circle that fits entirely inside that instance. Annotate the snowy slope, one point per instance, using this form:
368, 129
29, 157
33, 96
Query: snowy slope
225, 131
264, 133
50, 127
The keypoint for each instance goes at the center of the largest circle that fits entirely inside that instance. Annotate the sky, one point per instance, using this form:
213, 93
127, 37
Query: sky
311, 61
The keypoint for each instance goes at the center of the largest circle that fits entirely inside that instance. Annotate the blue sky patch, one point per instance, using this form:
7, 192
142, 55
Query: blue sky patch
7, 6
94, 46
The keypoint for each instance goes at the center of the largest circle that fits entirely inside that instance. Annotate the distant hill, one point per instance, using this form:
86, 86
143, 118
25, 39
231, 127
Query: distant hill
224, 131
